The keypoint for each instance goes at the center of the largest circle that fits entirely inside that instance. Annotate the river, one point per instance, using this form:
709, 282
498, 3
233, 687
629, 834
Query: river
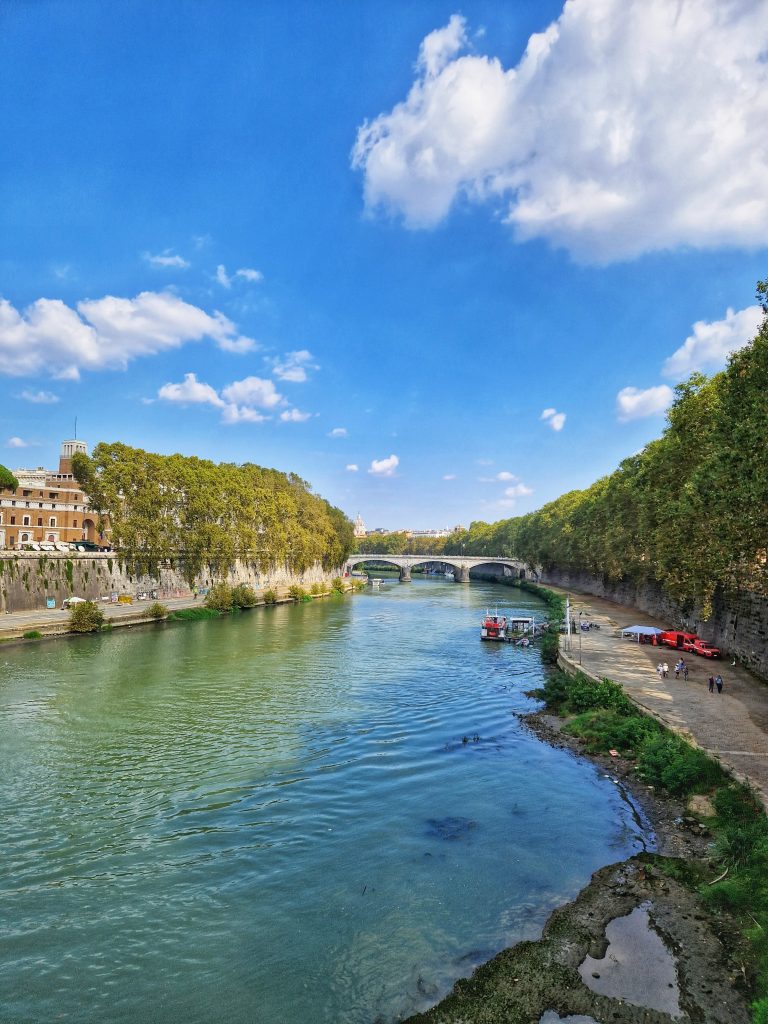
274, 818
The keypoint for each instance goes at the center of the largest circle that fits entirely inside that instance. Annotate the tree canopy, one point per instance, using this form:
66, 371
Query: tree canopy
690, 510
200, 513
7, 480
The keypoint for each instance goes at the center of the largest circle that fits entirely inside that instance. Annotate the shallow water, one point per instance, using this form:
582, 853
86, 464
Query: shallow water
275, 818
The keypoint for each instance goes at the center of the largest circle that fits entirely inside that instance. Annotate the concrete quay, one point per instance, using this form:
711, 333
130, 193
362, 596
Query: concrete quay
732, 726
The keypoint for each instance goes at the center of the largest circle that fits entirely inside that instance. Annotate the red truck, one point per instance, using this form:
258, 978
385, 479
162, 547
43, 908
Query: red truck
701, 647
689, 642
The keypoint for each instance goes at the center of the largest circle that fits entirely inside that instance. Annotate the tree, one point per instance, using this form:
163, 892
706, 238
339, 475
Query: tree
7, 480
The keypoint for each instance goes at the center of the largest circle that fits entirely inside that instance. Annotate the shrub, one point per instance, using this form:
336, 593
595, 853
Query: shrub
760, 1012
270, 597
668, 761
584, 694
550, 645
219, 597
157, 611
315, 590
604, 729
32, 634
85, 618
244, 596
296, 592
337, 584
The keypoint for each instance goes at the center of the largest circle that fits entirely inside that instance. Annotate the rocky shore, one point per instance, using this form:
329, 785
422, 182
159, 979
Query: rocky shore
636, 946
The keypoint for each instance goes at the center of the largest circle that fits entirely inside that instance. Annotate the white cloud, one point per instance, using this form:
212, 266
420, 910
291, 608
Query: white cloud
166, 259
294, 416
449, 476
51, 337
39, 397
352, 467
190, 391
518, 491
712, 342
293, 366
384, 467
504, 475
553, 418
627, 126
253, 391
17, 442
222, 277
249, 274
242, 414
636, 403
338, 432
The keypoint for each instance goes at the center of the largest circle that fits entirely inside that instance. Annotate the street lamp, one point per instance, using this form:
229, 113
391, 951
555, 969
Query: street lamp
580, 632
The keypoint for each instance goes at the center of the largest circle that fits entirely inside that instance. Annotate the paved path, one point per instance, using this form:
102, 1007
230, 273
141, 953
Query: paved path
733, 725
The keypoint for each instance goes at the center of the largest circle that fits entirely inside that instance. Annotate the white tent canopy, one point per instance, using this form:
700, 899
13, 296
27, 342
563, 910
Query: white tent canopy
639, 631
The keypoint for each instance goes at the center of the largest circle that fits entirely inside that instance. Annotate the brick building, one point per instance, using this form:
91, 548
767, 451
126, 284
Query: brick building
47, 507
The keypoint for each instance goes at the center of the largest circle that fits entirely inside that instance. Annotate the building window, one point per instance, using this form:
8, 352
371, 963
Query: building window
74, 525
53, 506
13, 520
40, 504
53, 494
39, 520
13, 502
24, 538
25, 521
26, 493
52, 521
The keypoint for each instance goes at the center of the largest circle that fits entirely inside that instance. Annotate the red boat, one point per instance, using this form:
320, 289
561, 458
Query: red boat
494, 627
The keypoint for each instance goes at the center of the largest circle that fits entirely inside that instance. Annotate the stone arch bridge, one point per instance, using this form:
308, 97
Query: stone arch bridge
461, 564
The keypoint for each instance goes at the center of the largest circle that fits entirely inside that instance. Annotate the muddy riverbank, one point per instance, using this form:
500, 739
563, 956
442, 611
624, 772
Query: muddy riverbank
636, 945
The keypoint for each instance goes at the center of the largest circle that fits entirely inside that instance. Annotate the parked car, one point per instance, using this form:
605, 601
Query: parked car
674, 638
701, 647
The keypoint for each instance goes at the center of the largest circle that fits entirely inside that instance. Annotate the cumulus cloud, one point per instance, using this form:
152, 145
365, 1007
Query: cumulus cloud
626, 127
51, 337
518, 491
39, 397
242, 401
553, 418
294, 416
222, 277
338, 432
17, 442
293, 366
352, 467
712, 342
636, 403
505, 475
166, 259
384, 467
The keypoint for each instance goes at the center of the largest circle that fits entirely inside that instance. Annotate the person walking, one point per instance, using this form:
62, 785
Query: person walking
711, 684
719, 683
677, 670
665, 670
659, 669
685, 672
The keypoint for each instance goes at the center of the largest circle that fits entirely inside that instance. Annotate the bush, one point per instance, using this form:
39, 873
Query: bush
193, 614
550, 645
668, 761
315, 590
296, 593
219, 597
604, 729
157, 611
32, 634
270, 597
585, 694
85, 618
760, 1012
337, 584
244, 596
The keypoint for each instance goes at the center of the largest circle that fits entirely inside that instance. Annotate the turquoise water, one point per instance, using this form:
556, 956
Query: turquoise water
274, 819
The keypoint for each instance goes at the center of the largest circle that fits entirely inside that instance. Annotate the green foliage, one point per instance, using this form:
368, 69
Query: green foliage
669, 761
193, 614
220, 597
85, 618
585, 693
69, 569
270, 597
296, 593
337, 584
157, 610
760, 1011
244, 596
604, 729
7, 480
208, 514
315, 590
399, 543
32, 634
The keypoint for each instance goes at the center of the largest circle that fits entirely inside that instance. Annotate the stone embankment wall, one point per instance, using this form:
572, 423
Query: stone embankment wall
738, 624
28, 579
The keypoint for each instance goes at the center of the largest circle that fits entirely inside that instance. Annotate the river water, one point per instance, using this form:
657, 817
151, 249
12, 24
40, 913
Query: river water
275, 818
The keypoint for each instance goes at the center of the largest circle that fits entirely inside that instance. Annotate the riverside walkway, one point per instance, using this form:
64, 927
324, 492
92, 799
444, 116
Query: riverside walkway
732, 726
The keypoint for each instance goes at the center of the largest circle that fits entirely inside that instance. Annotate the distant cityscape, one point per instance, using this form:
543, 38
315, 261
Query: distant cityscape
361, 531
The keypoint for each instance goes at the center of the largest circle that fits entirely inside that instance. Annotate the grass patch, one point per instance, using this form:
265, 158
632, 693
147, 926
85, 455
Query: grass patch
32, 634
194, 614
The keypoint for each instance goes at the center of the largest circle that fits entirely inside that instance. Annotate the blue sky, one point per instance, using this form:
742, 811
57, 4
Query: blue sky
320, 236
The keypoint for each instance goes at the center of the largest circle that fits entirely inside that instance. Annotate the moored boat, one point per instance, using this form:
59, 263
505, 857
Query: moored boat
494, 627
